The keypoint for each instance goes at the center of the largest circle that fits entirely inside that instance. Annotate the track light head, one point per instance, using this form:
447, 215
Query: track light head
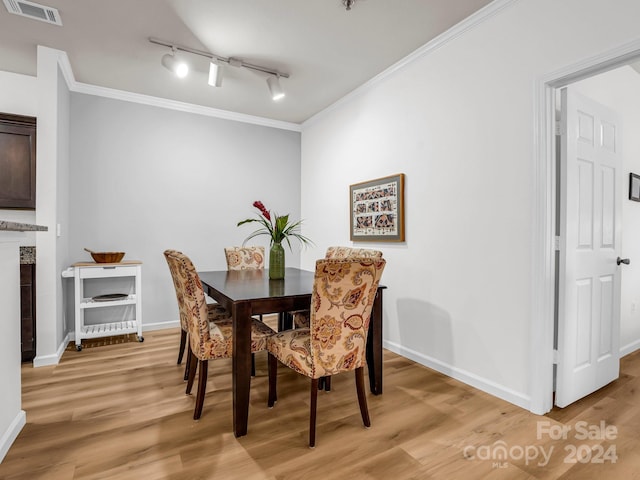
348, 3
273, 82
175, 64
215, 74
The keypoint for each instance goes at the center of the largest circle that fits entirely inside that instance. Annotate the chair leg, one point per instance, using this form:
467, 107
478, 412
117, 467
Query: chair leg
362, 398
183, 342
202, 388
253, 364
312, 416
193, 364
273, 375
324, 383
187, 367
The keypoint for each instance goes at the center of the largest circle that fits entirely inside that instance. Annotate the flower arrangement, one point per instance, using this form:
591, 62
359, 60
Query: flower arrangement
277, 228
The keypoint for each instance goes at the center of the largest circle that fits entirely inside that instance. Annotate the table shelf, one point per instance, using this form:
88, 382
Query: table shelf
108, 329
91, 303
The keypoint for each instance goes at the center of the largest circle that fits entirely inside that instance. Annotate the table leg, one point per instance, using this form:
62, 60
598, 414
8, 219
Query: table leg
374, 346
241, 366
285, 321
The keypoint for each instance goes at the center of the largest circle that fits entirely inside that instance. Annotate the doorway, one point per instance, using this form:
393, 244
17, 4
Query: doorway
544, 255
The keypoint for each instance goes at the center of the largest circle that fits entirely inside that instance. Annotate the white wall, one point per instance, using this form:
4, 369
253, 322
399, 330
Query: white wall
17, 96
12, 418
620, 90
52, 152
63, 259
459, 122
144, 179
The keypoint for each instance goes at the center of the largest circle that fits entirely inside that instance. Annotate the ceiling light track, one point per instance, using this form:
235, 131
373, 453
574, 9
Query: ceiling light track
234, 62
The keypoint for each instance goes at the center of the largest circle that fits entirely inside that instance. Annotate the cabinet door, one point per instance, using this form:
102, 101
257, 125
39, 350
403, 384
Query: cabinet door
27, 312
17, 162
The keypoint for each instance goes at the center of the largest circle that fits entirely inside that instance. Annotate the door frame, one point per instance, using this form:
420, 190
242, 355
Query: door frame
544, 215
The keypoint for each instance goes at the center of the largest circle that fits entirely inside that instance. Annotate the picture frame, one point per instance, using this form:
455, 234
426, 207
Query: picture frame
377, 210
634, 187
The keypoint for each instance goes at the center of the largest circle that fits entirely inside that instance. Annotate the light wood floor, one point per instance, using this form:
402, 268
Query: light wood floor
119, 412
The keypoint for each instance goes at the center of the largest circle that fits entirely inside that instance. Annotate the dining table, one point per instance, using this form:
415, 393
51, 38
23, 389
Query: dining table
246, 293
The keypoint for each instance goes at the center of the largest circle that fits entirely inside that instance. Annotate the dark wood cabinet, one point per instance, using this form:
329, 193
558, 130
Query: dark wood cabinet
28, 311
17, 161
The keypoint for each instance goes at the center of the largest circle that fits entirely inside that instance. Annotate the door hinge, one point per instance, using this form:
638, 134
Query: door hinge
556, 243
558, 128
556, 357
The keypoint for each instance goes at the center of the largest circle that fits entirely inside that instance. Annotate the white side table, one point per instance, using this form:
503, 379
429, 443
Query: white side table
87, 270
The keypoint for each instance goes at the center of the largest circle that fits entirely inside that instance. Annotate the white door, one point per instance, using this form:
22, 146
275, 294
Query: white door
590, 232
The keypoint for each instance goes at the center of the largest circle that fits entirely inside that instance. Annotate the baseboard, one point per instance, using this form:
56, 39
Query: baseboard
517, 398
630, 348
11, 434
147, 327
45, 360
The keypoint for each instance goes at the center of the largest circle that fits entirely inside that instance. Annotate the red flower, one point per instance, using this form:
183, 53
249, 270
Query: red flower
260, 206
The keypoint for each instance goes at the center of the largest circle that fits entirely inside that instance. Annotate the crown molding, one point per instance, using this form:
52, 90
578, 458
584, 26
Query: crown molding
79, 87
454, 32
88, 89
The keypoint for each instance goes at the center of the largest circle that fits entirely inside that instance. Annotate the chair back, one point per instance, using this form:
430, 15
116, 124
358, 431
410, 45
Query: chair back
191, 302
348, 252
341, 303
244, 258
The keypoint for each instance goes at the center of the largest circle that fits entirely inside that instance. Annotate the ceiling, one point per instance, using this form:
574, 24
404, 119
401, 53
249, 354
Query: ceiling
327, 50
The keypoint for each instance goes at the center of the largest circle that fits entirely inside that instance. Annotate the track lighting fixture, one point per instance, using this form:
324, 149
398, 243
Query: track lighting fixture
181, 69
175, 64
273, 82
215, 74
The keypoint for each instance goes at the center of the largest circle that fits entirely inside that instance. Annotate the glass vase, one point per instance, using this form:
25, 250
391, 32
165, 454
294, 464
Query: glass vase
276, 261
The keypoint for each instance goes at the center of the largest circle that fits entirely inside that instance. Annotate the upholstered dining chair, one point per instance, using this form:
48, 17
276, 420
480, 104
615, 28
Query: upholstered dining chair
335, 342
207, 340
244, 258
214, 311
301, 317
348, 252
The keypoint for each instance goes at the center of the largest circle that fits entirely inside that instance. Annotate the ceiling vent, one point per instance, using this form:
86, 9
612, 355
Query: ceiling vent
33, 10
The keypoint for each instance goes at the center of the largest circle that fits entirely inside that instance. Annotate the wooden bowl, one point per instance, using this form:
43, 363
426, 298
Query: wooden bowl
107, 257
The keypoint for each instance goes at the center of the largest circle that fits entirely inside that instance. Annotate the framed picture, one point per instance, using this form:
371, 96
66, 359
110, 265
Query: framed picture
634, 187
377, 210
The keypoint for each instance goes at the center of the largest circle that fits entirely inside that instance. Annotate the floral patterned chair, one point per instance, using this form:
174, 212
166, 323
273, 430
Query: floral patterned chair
348, 252
207, 340
244, 258
335, 342
214, 310
301, 317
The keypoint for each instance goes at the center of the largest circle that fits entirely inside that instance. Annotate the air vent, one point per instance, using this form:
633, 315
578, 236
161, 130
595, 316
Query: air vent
34, 10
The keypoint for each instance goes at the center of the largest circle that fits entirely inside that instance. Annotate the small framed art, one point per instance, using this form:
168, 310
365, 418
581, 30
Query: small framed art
377, 210
634, 187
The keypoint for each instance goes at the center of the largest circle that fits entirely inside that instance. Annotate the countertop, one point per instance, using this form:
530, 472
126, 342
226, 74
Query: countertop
21, 227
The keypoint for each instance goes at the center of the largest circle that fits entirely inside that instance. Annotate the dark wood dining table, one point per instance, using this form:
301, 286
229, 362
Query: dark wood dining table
250, 292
